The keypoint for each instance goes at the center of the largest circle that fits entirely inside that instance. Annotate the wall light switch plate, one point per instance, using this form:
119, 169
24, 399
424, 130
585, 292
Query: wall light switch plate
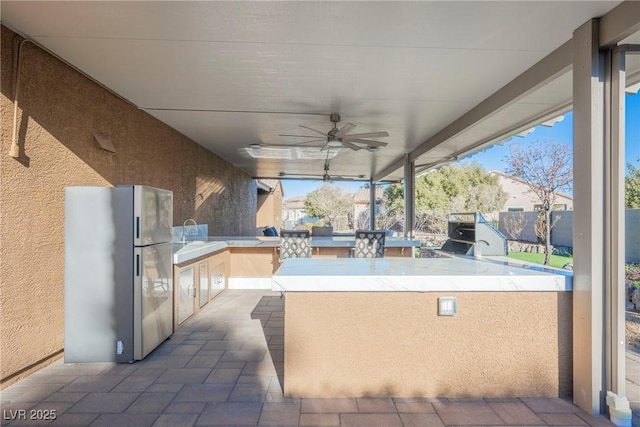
447, 306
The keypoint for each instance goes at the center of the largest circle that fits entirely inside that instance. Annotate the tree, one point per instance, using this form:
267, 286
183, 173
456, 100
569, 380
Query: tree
546, 168
514, 224
386, 218
632, 187
449, 189
329, 203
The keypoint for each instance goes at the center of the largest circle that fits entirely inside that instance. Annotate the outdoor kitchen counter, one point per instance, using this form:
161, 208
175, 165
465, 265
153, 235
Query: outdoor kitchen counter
419, 275
372, 327
192, 250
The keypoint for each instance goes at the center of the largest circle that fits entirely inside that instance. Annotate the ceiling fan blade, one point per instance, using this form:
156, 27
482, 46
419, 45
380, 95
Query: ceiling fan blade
311, 175
366, 135
312, 140
316, 131
369, 142
299, 136
345, 130
289, 145
345, 178
350, 145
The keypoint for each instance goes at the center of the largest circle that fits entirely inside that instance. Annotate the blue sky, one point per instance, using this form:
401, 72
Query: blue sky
493, 158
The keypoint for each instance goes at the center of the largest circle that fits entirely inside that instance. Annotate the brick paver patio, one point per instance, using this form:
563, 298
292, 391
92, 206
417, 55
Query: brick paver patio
225, 368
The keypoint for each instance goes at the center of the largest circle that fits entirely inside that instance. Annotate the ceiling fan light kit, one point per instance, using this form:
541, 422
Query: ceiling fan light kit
314, 147
326, 177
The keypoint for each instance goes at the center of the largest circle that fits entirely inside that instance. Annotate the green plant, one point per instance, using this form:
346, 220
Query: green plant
557, 261
632, 272
631, 267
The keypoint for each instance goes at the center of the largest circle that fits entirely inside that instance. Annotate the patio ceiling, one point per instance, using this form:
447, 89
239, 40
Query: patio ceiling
231, 74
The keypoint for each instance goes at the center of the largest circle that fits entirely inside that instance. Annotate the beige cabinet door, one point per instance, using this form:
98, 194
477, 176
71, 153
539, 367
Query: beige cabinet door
203, 288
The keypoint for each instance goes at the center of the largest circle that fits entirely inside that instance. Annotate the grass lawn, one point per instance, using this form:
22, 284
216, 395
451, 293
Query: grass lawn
556, 260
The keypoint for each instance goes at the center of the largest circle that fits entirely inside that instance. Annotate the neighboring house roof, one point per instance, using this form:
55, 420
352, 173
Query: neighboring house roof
362, 195
523, 182
294, 203
268, 184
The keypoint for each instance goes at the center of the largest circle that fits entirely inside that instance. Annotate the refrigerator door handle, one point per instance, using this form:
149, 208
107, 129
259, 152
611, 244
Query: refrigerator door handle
137, 265
137, 227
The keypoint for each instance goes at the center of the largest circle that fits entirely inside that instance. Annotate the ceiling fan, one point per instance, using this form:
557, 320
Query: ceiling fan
325, 176
339, 138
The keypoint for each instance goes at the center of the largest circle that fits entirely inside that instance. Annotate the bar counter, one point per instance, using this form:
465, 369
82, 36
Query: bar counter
418, 275
337, 246
371, 327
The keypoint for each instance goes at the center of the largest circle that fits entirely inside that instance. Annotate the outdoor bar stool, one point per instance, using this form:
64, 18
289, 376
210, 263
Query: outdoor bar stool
294, 244
369, 244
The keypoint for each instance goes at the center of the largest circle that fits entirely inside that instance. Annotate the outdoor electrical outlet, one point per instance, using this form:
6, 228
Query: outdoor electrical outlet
447, 306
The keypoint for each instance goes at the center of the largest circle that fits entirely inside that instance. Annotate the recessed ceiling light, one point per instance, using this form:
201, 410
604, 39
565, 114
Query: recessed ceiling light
372, 149
282, 174
255, 146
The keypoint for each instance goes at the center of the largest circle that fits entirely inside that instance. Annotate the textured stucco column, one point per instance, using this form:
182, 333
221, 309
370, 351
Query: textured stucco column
394, 344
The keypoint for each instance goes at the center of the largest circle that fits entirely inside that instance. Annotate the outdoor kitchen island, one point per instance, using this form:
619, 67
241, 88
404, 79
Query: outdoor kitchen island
371, 327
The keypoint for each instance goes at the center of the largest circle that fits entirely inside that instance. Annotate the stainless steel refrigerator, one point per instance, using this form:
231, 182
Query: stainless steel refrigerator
118, 290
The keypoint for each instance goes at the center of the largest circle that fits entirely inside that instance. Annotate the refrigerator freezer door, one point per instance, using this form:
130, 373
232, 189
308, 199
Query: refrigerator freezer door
153, 297
98, 305
153, 215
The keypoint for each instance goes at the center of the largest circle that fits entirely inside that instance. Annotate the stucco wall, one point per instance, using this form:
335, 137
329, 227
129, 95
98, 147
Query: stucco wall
270, 209
519, 225
59, 112
500, 344
632, 230
562, 231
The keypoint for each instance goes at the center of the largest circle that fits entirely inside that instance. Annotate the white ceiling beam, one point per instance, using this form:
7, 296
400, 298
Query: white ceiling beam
389, 170
550, 67
619, 23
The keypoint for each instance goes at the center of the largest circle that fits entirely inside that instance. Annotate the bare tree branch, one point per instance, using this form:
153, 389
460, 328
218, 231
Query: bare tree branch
546, 168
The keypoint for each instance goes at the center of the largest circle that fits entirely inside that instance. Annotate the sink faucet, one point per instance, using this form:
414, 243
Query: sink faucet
184, 228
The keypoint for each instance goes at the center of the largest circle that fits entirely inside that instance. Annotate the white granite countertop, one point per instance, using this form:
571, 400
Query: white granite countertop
416, 275
318, 242
186, 252
191, 250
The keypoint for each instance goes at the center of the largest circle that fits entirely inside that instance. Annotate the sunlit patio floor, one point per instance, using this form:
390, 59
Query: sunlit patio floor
225, 367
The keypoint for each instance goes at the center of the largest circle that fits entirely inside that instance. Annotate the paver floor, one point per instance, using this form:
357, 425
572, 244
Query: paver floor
224, 367
633, 383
